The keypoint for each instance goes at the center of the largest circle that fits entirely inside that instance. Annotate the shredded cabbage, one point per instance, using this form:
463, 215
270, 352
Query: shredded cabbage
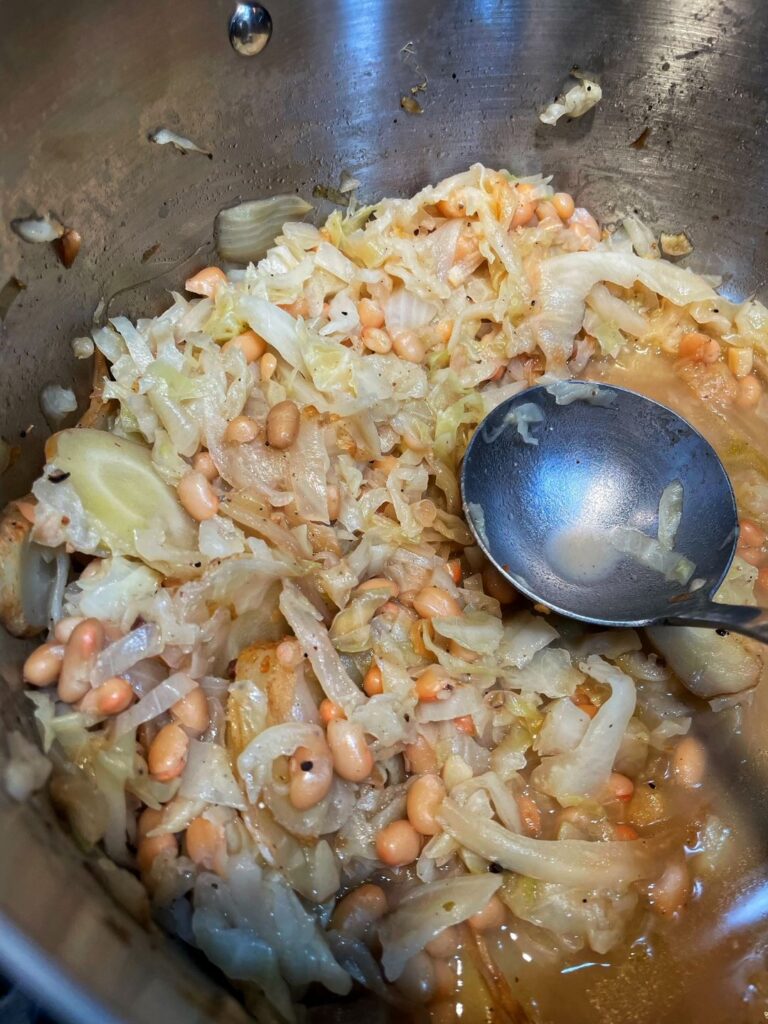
314, 639
426, 912
564, 727
116, 659
670, 513
582, 772
576, 917
643, 239
549, 671
57, 403
477, 631
165, 137
567, 391
567, 280
116, 491
254, 927
522, 417
575, 102
208, 776
652, 553
116, 591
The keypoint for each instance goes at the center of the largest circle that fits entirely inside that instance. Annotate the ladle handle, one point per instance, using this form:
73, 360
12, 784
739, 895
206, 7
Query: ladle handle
736, 618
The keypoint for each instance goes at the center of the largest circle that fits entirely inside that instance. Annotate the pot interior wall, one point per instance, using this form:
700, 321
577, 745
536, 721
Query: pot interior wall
681, 136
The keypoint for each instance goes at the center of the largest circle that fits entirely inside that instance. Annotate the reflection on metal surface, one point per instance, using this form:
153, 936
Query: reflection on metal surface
750, 910
250, 28
595, 471
583, 967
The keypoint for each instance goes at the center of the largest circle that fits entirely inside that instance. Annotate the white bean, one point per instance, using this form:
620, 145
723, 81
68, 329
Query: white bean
424, 798
43, 665
359, 910
283, 424
352, 757
311, 775
167, 754
197, 496
84, 644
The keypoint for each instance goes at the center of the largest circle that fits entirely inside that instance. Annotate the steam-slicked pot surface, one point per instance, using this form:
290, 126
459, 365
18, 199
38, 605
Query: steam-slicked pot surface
83, 84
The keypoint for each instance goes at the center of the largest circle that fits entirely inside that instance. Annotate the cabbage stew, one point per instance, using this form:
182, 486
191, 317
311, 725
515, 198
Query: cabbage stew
278, 686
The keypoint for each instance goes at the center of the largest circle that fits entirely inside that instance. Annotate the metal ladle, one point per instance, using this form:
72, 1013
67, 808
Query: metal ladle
545, 510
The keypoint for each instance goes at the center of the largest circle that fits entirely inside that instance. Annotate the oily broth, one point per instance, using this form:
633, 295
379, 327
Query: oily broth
710, 963
738, 438
707, 966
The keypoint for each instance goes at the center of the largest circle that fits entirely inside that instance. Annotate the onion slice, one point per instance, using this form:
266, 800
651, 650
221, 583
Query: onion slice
576, 862
254, 763
309, 630
208, 777
123, 654
245, 232
156, 702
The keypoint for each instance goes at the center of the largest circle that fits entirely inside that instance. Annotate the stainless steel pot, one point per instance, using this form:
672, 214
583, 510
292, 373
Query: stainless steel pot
681, 135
